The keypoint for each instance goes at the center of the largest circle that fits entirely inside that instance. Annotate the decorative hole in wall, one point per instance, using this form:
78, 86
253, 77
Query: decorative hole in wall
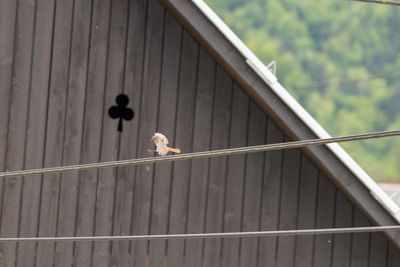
121, 111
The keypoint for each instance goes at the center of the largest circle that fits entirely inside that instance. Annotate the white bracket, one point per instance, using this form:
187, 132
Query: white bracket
272, 67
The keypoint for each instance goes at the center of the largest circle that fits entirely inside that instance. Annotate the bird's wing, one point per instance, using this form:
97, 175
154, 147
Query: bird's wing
162, 148
164, 138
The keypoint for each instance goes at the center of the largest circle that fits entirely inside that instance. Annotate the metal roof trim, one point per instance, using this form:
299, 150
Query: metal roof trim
265, 74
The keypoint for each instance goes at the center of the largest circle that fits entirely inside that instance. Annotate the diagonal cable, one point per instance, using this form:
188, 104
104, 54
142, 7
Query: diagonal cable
379, 2
204, 154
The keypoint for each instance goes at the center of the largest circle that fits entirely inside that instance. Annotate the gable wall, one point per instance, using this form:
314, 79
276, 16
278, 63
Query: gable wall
62, 65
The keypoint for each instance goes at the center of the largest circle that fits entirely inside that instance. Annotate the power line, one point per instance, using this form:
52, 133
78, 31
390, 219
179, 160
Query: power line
379, 2
204, 154
207, 235
320, 83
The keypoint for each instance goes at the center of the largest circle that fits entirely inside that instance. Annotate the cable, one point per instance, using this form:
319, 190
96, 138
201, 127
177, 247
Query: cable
379, 2
204, 154
207, 235
301, 85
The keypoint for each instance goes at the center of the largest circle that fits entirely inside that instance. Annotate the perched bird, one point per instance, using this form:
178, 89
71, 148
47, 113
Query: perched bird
161, 143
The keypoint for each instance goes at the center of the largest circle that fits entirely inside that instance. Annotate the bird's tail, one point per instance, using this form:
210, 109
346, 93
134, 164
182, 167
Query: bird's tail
175, 150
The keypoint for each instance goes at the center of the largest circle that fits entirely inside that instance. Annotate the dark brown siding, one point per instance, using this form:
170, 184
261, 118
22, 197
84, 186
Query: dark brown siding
62, 63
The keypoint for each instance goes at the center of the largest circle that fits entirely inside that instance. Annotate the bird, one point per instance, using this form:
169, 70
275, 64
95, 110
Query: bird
161, 143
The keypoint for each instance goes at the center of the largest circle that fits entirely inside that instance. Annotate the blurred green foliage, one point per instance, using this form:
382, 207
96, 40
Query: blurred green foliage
340, 59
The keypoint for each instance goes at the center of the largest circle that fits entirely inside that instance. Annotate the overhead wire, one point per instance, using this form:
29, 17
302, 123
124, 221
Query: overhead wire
379, 2
204, 154
207, 235
343, 82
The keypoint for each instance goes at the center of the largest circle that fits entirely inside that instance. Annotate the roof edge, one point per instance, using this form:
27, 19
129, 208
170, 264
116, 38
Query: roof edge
266, 75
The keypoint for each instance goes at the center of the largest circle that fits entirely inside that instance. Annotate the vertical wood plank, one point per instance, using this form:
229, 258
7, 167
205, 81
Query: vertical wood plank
253, 186
73, 129
92, 127
378, 250
110, 136
199, 169
342, 242
18, 116
271, 196
360, 242
129, 142
7, 46
306, 213
36, 128
324, 219
394, 256
218, 166
236, 175
147, 126
288, 206
165, 125
55, 129
183, 140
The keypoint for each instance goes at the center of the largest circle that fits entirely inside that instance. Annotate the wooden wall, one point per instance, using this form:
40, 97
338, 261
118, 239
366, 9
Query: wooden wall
62, 63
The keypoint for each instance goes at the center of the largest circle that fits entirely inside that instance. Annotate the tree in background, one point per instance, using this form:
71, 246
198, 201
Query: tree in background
340, 59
